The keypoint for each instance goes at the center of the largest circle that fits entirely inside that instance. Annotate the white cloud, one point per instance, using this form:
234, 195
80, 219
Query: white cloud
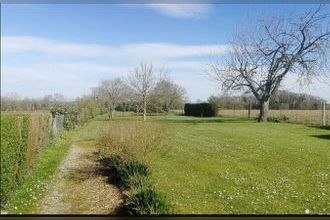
182, 10
48, 74
317, 87
93, 62
71, 78
142, 50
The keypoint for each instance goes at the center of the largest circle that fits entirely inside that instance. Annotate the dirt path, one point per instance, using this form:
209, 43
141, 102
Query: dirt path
79, 188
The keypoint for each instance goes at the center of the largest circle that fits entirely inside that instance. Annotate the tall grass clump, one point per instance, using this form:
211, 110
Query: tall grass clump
126, 171
130, 140
125, 148
146, 201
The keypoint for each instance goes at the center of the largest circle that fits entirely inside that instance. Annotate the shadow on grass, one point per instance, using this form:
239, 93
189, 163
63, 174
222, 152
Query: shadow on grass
177, 119
326, 127
205, 120
119, 118
322, 136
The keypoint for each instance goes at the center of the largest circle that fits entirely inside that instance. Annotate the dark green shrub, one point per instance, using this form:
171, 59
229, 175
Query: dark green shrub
132, 168
200, 110
138, 182
112, 162
146, 201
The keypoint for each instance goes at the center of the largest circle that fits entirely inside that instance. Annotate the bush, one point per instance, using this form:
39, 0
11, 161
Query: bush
130, 140
123, 147
146, 201
138, 182
70, 116
131, 169
200, 110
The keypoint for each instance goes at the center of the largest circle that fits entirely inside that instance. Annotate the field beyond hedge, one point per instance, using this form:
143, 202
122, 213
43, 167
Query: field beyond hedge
294, 116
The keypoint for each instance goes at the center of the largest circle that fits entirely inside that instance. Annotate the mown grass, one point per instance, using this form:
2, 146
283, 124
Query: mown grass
238, 166
230, 166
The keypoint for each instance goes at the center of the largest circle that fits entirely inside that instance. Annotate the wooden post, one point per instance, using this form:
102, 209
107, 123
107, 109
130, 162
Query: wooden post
249, 110
323, 114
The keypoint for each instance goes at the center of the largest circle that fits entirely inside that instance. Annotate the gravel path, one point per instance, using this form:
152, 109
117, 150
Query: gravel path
79, 188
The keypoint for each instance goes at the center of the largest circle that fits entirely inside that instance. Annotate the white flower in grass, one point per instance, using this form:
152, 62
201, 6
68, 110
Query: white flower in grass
307, 211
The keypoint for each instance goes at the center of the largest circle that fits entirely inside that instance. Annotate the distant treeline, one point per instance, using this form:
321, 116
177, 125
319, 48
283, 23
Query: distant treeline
165, 96
76, 112
281, 100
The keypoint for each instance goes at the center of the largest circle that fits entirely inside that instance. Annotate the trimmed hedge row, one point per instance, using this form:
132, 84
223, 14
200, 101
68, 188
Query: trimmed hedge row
22, 134
200, 110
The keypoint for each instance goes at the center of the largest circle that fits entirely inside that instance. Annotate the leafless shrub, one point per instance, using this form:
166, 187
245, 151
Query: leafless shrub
130, 140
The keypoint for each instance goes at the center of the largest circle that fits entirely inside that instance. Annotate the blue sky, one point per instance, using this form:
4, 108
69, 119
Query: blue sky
69, 48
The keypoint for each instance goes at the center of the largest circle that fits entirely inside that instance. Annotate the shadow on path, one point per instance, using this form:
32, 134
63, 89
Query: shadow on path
80, 187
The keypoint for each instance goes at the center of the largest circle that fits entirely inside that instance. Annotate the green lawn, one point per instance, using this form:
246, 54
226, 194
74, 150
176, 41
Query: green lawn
222, 166
237, 166
233, 166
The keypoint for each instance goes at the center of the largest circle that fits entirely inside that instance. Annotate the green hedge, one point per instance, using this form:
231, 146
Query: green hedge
14, 141
200, 110
22, 136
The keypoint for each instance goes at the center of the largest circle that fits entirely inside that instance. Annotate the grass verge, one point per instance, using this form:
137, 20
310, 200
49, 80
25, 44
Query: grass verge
26, 198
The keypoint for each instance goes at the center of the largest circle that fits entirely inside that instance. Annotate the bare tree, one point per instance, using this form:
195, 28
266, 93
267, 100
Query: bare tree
142, 81
110, 92
263, 56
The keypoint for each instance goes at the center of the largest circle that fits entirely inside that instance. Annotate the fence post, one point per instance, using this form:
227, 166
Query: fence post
323, 114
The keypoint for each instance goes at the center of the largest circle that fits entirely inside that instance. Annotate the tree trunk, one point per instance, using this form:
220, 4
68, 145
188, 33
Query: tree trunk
264, 107
110, 113
249, 110
145, 111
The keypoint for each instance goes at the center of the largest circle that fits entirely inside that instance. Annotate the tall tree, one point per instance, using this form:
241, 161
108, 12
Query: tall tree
167, 95
142, 80
111, 93
263, 55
